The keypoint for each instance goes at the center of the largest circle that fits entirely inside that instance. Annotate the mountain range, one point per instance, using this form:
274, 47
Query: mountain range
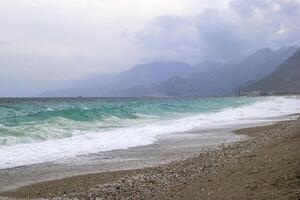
285, 79
210, 78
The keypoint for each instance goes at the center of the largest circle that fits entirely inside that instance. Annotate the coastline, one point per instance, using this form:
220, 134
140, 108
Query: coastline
168, 148
229, 171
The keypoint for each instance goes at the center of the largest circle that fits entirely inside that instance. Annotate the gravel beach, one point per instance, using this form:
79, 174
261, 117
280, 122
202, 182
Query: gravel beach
265, 166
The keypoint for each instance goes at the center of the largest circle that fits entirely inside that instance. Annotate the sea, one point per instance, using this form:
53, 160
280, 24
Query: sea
39, 130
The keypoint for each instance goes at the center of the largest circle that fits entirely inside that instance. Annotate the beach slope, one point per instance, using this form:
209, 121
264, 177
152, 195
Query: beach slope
266, 166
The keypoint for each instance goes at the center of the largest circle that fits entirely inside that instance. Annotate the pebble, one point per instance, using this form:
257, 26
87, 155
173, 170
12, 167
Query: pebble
157, 181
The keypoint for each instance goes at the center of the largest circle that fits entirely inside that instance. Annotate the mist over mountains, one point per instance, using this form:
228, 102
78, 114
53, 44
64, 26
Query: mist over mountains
210, 78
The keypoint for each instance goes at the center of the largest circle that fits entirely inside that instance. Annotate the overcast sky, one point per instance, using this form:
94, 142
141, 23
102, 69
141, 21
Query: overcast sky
49, 44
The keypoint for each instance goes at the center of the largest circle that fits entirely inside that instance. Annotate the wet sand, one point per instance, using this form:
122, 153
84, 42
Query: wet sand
265, 166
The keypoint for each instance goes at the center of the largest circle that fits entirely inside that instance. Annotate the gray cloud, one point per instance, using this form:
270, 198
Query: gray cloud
219, 36
170, 37
205, 36
247, 8
42, 47
246, 27
3, 43
50, 45
273, 23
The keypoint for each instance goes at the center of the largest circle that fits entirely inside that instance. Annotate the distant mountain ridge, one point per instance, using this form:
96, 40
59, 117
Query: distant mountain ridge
211, 78
249, 70
139, 76
285, 79
226, 80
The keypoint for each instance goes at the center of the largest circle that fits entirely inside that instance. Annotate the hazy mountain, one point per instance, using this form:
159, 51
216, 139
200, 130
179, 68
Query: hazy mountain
252, 68
285, 79
260, 64
227, 79
141, 75
210, 65
130, 82
210, 78
156, 72
176, 86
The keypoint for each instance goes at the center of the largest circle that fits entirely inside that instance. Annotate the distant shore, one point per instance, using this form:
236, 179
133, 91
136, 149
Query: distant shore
266, 166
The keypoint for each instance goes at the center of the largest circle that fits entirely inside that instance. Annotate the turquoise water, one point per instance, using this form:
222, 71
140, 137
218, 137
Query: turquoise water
41, 130
31, 120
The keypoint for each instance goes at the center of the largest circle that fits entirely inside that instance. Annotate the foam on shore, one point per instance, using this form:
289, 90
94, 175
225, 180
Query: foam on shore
86, 142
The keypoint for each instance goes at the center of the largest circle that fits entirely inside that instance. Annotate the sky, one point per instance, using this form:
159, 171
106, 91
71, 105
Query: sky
50, 44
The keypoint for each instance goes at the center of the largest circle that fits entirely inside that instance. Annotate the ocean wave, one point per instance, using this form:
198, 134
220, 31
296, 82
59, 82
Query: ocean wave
61, 137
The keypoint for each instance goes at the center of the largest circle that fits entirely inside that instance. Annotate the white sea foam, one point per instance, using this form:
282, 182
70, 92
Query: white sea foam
86, 142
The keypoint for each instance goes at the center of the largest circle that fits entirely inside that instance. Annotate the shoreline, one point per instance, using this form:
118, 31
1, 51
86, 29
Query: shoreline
183, 178
168, 148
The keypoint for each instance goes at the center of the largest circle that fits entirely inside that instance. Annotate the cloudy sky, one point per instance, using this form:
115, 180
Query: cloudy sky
49, 44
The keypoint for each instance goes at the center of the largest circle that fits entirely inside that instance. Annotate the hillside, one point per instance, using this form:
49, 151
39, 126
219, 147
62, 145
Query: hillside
225, 81
286, 79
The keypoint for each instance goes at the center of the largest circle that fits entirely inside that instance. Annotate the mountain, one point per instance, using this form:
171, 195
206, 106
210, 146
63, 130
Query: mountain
131, 82
176, 86
155, 72
285, 79
248, 70
226, 80
210, 78
141, 75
